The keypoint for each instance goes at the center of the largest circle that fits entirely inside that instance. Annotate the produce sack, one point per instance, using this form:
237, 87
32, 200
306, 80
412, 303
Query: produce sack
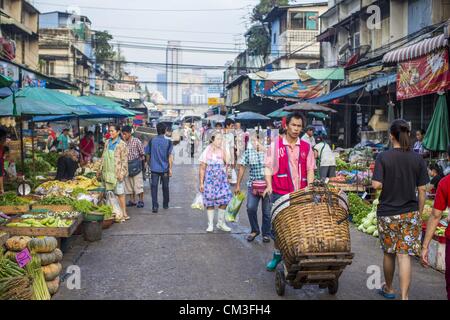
198, 202
113, 201
234, 206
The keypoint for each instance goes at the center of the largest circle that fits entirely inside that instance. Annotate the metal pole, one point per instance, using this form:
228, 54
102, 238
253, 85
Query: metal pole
22, 155
32, 149
79, 137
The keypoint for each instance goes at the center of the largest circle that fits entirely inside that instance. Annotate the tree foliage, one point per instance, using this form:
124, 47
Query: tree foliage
264, 7
103, 49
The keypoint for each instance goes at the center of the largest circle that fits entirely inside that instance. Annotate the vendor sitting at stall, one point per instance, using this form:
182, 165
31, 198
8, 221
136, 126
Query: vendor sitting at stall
67, 165
87, 147
435, 172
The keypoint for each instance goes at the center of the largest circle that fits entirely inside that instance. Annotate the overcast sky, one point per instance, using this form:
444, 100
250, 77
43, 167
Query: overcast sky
226, 27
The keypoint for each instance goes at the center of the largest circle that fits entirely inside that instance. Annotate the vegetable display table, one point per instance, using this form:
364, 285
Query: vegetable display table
37, 232
347, 187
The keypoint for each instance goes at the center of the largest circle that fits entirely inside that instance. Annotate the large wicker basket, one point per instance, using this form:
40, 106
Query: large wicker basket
311, 221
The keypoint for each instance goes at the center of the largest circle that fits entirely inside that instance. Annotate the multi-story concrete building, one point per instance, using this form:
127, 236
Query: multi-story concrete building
65, 49
293, 32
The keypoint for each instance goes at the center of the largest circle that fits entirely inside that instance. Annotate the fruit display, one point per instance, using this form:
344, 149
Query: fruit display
58, 188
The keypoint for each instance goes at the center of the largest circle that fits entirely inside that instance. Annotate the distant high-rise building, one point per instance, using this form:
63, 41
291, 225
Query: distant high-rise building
173, 60
161, 78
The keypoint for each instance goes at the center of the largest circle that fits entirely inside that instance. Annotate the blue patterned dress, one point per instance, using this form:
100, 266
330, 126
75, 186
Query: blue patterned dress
217, 189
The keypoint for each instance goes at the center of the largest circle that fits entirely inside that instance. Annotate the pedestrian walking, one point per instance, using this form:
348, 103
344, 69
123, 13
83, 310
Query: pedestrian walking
114, 167
160, 157
399, 173
326, 159
254, 159
214, 182
290, 166
193, 138
441, 202
134, 182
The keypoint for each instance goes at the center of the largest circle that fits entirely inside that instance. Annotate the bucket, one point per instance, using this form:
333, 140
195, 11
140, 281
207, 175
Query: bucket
92, 231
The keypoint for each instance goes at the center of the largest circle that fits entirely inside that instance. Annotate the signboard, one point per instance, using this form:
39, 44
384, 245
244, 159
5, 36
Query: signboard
215, 101
422, 76
10, 70
215, 89
290, 88
30, 79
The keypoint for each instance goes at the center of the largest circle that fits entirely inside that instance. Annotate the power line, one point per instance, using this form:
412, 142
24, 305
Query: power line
167, 30
145, 9
159, 39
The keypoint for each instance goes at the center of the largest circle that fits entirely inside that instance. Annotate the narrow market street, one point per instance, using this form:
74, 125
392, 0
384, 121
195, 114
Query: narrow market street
169, 256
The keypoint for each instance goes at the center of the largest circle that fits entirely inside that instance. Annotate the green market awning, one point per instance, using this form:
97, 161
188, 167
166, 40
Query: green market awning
437, 137
280, 113
26, 106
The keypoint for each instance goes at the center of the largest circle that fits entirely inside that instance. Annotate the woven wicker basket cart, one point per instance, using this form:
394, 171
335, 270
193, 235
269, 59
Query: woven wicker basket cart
312, 232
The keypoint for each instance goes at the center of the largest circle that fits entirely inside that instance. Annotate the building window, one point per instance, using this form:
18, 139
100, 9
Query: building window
304, 20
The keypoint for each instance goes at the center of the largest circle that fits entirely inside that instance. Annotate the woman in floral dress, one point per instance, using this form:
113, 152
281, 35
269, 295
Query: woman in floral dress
214, 182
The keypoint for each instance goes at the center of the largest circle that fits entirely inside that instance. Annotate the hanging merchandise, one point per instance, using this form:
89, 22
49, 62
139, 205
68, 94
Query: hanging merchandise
425, 75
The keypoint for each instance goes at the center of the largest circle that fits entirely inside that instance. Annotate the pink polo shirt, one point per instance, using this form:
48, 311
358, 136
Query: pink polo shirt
294, 154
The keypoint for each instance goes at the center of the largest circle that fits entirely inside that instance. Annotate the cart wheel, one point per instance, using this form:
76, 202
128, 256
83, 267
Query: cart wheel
333, 287
280, 283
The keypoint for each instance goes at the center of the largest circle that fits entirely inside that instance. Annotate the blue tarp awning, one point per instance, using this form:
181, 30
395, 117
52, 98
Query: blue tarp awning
381, 82
336, 94
93, 112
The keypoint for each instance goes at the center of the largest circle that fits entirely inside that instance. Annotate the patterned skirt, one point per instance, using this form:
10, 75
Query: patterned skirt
217, 189
401, 234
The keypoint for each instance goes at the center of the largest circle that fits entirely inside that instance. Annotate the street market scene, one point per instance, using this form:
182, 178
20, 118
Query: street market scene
252, 150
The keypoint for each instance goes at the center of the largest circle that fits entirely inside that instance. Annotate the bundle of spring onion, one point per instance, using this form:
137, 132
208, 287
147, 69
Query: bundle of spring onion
40, 290
9, 268
16, 288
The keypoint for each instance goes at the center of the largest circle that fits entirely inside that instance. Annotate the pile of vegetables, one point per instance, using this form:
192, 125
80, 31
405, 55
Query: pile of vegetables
54, 200
83, 206
341, 165
9, 268
48, 263
16, 288
77, 191
41, 223
58, 188
106, 210
42, 167
40, 290
62, 215
359, 209
11, 199
369, 224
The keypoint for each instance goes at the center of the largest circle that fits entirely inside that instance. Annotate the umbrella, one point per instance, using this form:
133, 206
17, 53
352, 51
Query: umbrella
280, 113
249, 116
437, 137
319, 115
216, 117
307, 106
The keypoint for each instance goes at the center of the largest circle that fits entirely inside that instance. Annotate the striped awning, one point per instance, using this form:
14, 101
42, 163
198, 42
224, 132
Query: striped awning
417, 50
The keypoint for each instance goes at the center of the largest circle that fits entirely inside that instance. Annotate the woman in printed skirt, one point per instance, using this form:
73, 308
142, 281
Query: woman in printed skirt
400, 173
214, 182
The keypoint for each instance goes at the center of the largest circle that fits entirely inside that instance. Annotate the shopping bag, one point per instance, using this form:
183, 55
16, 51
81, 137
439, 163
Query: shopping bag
234, 206
232, 177
198, 202
113, 201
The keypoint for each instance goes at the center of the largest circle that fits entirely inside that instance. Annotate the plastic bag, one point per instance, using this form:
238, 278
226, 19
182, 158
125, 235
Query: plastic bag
11, 171
198, 202
113, 201
233, 177
234, 206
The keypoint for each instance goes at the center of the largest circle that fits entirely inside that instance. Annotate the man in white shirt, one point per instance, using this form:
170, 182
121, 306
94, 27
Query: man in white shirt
325, 158
309, 136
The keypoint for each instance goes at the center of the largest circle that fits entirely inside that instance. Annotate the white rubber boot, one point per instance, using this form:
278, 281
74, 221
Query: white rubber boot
210, 221
221, 222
